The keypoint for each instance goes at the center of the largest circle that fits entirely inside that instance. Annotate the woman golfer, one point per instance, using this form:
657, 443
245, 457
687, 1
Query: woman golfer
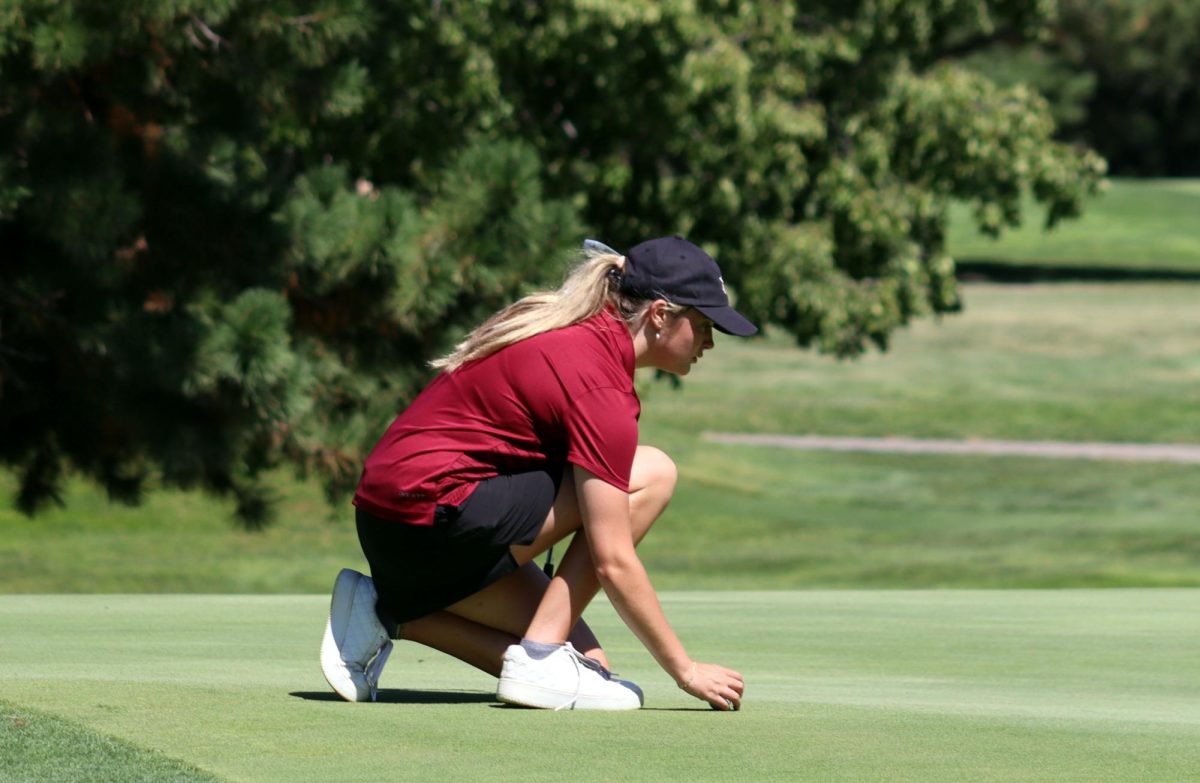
528, 434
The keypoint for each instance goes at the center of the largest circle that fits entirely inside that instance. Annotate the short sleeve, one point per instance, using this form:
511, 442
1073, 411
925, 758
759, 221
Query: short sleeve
602, 434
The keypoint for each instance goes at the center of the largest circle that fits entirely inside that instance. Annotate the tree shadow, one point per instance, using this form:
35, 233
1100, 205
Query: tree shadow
995, 271
402, 696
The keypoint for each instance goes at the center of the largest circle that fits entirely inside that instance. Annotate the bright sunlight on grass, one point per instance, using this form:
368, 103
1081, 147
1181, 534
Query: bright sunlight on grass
928, 686
1136, 224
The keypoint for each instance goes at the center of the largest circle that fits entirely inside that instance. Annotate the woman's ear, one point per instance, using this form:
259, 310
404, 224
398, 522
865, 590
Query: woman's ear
656, 316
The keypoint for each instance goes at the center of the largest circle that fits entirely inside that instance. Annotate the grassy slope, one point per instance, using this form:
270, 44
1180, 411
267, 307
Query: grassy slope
921, 686
1136, 224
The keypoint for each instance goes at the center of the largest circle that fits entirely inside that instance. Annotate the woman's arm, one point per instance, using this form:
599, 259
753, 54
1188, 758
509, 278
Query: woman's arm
606, 522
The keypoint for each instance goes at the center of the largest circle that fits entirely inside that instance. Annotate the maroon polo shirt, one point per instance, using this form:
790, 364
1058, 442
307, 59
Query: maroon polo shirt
561, 396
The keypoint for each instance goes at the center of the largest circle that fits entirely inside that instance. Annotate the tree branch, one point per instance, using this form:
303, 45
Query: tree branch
213, 38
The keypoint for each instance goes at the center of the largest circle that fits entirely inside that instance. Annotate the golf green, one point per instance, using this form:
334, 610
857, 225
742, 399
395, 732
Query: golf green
1071, 685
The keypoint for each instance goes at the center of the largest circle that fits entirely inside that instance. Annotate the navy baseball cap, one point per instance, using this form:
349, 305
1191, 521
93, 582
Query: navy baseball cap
674, 269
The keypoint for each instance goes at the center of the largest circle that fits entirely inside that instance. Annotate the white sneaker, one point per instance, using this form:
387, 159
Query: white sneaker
564, 680
355, 646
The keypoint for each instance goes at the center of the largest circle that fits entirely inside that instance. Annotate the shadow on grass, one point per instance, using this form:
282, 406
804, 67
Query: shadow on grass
993, 271
399, 696
520, 708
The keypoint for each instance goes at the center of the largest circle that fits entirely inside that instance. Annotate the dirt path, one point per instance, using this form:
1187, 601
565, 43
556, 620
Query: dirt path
1128, 452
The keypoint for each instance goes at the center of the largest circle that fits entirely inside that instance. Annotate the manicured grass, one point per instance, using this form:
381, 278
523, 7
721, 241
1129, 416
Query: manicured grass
1136, 224
1056, 362
922, 686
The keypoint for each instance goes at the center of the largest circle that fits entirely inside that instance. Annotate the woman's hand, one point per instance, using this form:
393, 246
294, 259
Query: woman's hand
722, 688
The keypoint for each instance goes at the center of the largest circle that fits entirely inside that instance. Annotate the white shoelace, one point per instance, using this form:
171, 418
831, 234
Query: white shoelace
581, 660
374, 667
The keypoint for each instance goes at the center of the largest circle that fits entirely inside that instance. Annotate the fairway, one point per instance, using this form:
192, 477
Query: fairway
1075, 685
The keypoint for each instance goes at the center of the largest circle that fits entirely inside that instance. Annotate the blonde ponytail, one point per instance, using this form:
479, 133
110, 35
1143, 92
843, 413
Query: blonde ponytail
592, 285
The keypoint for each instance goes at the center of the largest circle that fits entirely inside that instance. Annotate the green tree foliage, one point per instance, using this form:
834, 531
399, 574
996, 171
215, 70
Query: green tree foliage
1121, 76
235, 231
1145, 58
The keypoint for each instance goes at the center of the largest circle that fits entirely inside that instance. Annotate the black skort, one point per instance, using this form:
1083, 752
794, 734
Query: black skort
421, 569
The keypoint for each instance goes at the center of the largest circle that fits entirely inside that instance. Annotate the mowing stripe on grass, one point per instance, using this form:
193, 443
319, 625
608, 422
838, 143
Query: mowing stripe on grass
1121, 452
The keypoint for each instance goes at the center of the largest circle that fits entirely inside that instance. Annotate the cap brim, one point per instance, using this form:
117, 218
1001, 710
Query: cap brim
728, 320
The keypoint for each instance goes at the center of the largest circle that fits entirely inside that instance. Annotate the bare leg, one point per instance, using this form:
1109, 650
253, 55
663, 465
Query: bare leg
470, 642
575, 584
478, 629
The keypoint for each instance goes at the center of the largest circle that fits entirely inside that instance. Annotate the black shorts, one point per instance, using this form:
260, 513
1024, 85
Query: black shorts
420, 569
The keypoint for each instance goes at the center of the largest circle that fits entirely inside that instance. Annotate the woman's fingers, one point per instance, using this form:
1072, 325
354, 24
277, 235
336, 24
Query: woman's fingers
722, 688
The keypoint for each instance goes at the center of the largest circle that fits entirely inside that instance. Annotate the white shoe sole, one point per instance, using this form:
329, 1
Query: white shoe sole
352, 688
524, 694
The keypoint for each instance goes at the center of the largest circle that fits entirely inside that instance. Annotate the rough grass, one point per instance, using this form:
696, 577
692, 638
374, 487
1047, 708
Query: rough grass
1051, 362
925, 686
174, 542
44, 748
1054, 362
754, 517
